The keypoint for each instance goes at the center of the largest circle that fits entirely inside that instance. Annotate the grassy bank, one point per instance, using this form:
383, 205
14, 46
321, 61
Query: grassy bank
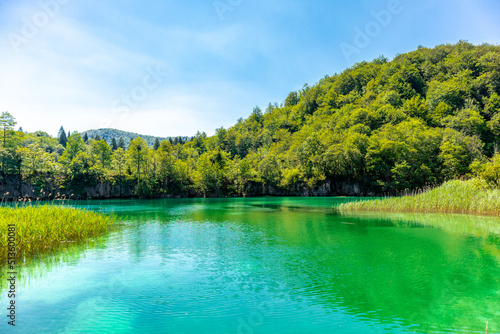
40, 230
472, 196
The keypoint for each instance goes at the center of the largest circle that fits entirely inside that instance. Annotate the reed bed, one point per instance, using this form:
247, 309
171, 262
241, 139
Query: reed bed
43, 229
470, 197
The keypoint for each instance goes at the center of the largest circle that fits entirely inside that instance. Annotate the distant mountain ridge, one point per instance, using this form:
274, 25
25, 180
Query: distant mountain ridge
108, 135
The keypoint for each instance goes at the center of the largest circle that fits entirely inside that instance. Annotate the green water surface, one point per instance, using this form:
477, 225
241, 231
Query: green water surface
266, 265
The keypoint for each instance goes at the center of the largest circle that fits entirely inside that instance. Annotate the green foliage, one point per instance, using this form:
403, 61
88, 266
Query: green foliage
492, 106
425, 117
36, 161
472, 196
7, 123
156, 144
63, 140
199, 142
211, 172
467, 121
241, 173
101, 152
44, 229
74, 145
137, 153
269, 170
9, 158
121, 143
119, 161
292, 99
449, 92
490, 171
114, 145
109, 134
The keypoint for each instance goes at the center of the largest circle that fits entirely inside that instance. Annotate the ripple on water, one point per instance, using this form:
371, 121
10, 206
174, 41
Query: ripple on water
268, 266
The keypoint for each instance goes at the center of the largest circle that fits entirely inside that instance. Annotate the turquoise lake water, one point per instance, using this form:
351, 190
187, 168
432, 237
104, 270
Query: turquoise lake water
266, 265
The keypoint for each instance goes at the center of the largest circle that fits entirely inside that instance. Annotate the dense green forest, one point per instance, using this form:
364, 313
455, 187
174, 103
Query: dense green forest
387, 126
109, 134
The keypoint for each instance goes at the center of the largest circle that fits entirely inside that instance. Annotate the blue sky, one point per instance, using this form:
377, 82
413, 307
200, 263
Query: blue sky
169, 68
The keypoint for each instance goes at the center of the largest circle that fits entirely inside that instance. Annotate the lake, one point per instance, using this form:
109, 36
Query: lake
266, 265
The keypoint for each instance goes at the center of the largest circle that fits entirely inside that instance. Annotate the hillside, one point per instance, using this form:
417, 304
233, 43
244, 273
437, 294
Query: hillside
380, 127
109, 134
425, 117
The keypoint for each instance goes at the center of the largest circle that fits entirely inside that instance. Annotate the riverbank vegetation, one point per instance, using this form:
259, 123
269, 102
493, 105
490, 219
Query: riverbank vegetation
473, 196
386, 127
40, 230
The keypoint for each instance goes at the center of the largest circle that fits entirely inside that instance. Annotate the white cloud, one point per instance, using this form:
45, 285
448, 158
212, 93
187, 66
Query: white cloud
69, 76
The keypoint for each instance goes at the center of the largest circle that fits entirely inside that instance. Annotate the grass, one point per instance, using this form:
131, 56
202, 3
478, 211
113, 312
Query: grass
44, 229
467, 197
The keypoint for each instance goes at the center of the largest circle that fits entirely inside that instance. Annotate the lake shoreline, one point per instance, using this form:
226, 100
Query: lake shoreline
473, 196
39, 230
16, 191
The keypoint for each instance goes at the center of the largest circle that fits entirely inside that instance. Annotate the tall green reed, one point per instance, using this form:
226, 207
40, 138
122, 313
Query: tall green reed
471, 196
43, 229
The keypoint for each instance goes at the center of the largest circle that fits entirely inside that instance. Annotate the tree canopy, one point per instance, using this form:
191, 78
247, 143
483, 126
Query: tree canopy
387, 126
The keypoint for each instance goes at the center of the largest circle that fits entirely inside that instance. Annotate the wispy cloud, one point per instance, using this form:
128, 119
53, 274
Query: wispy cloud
92, 53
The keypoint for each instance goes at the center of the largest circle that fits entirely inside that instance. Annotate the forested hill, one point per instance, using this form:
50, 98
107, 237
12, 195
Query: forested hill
379, 127
426, 116
109, 134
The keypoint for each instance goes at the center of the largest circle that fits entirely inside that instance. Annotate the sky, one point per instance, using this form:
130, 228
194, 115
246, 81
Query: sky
172, 68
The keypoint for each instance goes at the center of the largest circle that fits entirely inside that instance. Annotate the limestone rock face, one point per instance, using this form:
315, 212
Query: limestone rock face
302, 189
16, 190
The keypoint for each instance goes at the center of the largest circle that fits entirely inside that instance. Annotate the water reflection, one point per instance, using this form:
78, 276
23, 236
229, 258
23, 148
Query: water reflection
480, 226
273, 266
70, 254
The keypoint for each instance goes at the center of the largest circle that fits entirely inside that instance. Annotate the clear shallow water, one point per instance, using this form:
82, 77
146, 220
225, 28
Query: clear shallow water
267, 265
